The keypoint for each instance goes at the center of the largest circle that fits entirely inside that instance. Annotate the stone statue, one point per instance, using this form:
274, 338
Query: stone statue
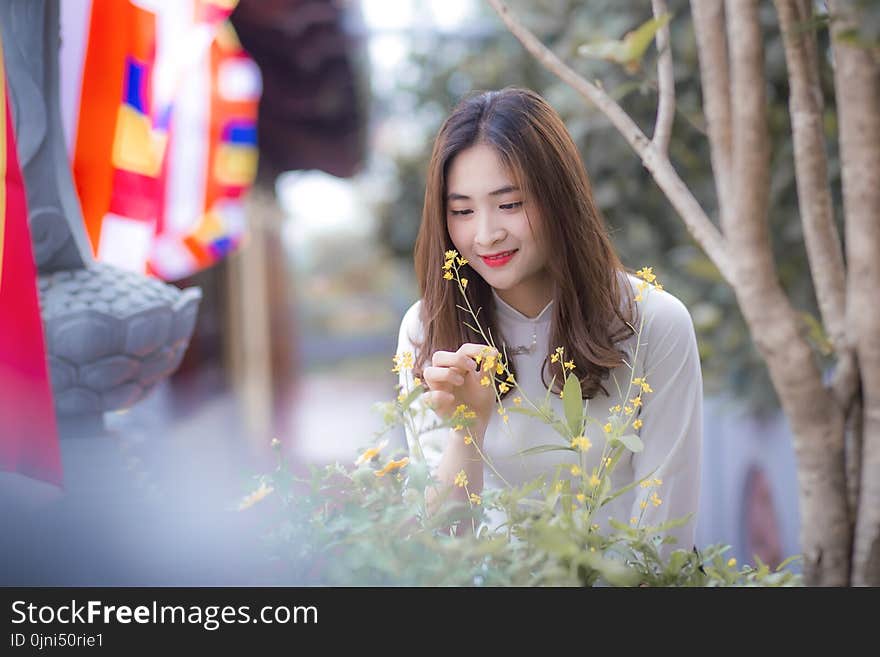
111, 334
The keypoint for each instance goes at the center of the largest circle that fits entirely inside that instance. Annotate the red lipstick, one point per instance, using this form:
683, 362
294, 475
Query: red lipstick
498, 259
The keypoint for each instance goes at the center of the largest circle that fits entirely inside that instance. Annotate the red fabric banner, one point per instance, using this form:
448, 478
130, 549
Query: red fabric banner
28, 429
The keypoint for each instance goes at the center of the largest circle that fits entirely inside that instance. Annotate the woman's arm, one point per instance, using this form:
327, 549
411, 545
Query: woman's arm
672, 417
452, 378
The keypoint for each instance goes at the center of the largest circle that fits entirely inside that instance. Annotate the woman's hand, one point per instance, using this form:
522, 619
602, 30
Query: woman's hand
453, 378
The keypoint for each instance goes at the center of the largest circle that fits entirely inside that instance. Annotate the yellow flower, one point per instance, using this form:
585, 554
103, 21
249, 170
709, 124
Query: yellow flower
451, 254
448, 276
464, 282
581, 497
475, 499
731, 562
594, 527
517, 400
569, 364
582, 443
643, 504
558, 486
468, 440
576, 470
503, 387
417, 381
658, 287
401, 396
370, 453
562, 394
391, 466
658, 482
560, 350
458, 427
461, 479
256, 496
462, 262
594, 481
628, 410
510, 378
645, 484
638, 297
505, 418
554, 358
636, 401
447, 265
633, 520
402, 361
608, 462
642, 286
499, 368
607, 428
655, 499
646, 273
485, 381
637, 424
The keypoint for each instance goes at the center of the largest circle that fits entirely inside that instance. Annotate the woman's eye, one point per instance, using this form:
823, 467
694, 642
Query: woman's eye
460, 212
511, 206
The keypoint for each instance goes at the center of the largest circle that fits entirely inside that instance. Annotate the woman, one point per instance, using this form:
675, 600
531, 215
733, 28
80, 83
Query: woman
508, 192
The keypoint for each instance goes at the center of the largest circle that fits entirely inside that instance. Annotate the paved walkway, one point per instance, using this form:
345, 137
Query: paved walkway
153, 502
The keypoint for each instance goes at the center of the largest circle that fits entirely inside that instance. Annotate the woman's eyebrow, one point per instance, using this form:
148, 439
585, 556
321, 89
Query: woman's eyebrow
452, 196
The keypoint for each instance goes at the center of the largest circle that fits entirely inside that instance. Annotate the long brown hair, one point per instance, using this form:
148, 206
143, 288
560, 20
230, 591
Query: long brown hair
593, 307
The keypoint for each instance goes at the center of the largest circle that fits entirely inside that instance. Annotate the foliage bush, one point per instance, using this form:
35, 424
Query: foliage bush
371, 524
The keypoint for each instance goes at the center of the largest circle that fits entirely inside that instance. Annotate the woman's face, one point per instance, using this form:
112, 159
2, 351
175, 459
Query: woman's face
488, 220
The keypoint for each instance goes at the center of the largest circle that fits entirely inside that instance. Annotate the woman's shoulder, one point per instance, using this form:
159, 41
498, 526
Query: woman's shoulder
411, 330
665, 315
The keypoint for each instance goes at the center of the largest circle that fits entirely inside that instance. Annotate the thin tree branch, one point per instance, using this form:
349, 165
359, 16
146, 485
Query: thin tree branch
699, 225
814, 190
708, 16
665, 82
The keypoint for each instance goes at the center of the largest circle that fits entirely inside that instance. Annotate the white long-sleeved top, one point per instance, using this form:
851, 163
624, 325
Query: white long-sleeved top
671, 414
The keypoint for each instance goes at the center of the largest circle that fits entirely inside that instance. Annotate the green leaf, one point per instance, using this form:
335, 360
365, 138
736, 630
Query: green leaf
787, 562
411, 397
628, 487
526, 411
632, 442
604, 487
629, 50
540, 449
670, 524
817, 334
573, 404
613, 571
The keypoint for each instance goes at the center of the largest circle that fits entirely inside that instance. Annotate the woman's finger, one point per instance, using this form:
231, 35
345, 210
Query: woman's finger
439, 399
472, 350
453, 359
442, 377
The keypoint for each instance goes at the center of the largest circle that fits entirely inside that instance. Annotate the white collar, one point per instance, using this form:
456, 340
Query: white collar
506, 311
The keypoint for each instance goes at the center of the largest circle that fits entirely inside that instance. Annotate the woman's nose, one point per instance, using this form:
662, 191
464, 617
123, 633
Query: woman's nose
488, 231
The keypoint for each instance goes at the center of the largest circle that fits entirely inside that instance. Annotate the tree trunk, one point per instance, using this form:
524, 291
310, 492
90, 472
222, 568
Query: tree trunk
857, 86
